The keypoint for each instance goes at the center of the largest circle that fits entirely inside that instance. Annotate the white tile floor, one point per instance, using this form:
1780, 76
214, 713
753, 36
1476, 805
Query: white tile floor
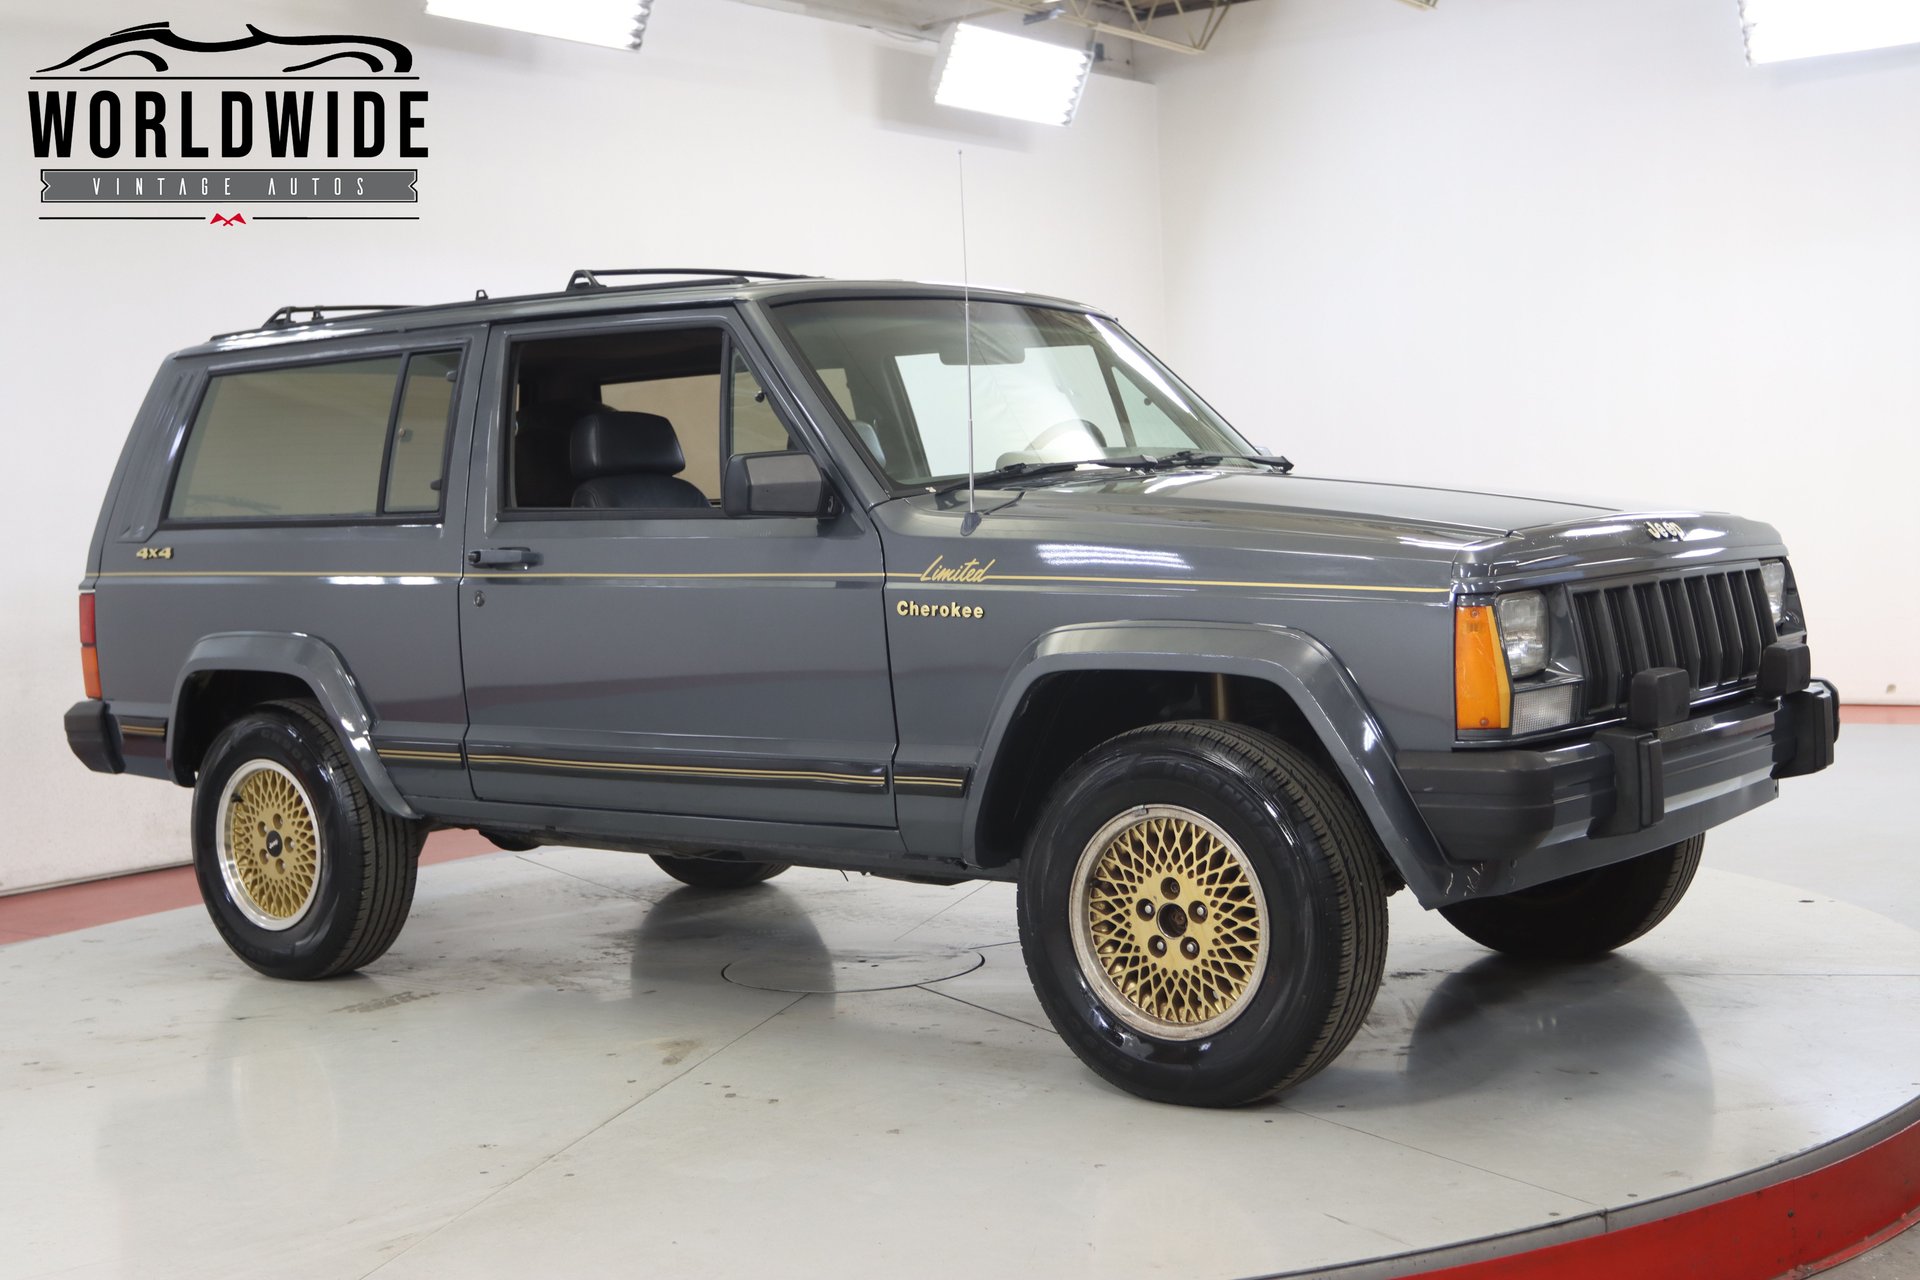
549, 1075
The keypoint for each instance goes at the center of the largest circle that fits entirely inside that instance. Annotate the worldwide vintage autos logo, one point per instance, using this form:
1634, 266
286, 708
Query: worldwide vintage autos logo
274, 122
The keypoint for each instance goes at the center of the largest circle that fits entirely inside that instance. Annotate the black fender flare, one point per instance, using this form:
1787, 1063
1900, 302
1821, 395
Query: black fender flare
1297, 663
306, 658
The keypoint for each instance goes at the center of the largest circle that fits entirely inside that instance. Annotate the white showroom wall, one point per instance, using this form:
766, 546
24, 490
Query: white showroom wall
1574, 247
738, 136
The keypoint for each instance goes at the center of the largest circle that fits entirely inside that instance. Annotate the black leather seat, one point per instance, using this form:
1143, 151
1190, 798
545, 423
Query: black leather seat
629, 461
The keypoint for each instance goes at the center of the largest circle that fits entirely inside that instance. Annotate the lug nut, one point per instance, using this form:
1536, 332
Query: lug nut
1146, 909
1157, 945
1189, 948
1198, 911
1170, 888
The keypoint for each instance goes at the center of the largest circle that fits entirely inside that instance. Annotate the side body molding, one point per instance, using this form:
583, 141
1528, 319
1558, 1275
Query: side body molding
320, 665
1300, 665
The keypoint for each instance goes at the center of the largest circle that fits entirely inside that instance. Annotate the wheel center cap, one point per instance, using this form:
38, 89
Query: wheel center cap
273, 844
1173, 920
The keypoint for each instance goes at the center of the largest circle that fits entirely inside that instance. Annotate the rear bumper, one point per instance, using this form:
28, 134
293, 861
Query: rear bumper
1518, 818
93, 738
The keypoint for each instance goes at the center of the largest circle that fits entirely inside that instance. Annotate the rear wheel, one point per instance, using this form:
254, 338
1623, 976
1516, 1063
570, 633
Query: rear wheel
304, 876
1203, 913
718, 873
1586, 915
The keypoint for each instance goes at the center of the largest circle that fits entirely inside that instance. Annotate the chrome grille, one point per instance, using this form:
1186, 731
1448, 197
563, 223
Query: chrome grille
1713, 625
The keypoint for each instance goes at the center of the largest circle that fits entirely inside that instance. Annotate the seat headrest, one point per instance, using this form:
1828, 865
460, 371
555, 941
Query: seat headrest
608, 442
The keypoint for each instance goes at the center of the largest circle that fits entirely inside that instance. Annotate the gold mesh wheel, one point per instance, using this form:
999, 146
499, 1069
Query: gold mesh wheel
1169, 923
269, 841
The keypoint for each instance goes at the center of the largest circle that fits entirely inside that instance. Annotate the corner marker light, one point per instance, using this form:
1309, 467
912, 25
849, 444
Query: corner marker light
1780, 30
980, 69
615, 24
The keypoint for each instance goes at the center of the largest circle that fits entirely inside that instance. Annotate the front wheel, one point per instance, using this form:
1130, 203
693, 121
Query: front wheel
1584, 916
304, 876
1203, 913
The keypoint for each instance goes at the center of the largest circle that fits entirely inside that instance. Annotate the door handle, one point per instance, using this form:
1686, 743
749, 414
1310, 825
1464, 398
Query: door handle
503, 557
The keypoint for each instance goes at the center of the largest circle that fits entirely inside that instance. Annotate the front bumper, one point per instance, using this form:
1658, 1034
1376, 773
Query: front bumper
1518, 818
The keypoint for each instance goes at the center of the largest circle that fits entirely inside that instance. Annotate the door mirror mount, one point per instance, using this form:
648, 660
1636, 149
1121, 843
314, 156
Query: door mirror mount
776, 484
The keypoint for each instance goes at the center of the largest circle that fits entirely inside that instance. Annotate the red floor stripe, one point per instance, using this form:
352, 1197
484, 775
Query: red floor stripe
1877, 713
1793, 1228
45, 912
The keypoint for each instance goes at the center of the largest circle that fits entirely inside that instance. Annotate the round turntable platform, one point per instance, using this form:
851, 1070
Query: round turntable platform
550, 1064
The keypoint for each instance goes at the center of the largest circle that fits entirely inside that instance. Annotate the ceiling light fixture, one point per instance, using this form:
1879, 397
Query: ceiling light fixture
615, 24
1780, 30
980, 69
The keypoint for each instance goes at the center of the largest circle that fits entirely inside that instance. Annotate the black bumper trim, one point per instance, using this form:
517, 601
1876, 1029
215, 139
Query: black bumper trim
92, 739
1813, 726
1498, 806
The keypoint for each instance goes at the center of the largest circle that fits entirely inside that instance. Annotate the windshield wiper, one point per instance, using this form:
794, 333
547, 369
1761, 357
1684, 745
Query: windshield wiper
1196, 458
1027, 470
1138, 462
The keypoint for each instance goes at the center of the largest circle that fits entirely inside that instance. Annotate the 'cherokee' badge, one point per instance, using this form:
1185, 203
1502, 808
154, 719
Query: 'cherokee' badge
1665, 529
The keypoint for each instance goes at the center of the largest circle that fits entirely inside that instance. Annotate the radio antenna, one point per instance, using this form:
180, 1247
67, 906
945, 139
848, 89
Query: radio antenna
972, 520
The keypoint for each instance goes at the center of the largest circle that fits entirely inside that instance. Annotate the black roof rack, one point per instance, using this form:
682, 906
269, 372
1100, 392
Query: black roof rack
285, 315
589, 277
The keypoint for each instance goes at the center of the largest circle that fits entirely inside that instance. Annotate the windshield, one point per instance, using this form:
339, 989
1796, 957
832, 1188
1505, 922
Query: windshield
1048, 386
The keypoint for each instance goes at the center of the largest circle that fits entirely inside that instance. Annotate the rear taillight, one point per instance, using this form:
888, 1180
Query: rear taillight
89, 655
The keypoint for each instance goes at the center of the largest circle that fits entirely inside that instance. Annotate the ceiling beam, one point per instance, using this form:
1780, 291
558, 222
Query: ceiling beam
1200, 18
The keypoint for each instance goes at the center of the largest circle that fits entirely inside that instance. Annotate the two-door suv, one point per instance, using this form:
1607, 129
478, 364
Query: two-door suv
697, 568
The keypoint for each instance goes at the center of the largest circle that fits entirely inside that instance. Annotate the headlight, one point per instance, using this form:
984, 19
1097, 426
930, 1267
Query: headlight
1523, 631
1773, 575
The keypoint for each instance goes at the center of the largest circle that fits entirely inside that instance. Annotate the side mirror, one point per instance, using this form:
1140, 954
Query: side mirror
775, 484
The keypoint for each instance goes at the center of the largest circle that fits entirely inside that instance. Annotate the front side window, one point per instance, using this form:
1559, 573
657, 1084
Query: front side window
342, 440
639, 419
1045, 385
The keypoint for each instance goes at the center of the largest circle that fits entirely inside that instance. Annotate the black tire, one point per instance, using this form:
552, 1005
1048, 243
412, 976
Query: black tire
1584, 916
364, 859
1304, 847
718, 873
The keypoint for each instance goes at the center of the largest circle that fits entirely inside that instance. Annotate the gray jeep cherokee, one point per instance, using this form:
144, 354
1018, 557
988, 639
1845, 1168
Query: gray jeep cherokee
694, 568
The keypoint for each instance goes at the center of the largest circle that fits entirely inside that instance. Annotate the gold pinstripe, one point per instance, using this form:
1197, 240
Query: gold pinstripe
535, 573
398, 753
914, 581
929, 782
688, 770
144, 730
911, 580
269, 573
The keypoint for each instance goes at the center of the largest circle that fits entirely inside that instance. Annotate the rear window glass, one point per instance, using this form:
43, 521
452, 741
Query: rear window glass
420, 433
321, 440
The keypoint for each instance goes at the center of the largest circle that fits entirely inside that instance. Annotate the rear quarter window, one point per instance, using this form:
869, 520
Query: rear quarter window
319, 441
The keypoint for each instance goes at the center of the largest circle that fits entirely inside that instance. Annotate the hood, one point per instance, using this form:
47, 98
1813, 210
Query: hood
1267, 499
1501, 539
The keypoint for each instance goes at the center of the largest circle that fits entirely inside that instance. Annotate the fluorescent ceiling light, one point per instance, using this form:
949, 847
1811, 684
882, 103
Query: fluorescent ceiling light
617, 24
980, 69
1778, 30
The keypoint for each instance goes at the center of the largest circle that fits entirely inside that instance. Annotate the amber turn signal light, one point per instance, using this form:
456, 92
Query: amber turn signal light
89, 656
1482, 695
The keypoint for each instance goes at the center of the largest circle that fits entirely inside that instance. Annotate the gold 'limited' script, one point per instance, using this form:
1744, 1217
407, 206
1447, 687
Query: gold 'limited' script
971, 571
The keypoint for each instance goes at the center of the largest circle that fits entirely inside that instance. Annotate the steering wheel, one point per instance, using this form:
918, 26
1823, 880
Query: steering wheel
1063, 428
